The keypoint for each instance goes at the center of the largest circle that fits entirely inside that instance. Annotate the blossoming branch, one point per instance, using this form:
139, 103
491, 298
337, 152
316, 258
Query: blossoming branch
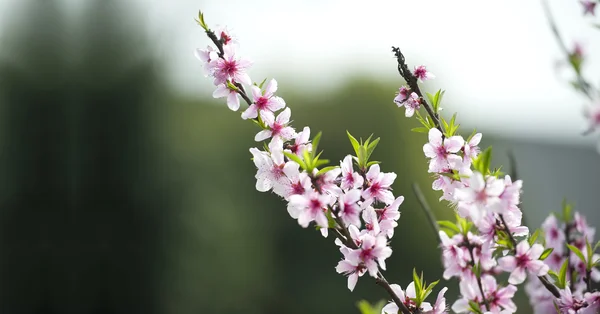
354, 201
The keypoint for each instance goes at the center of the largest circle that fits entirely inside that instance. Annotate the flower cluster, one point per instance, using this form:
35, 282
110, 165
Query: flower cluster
488, 237
353, 200
569, 238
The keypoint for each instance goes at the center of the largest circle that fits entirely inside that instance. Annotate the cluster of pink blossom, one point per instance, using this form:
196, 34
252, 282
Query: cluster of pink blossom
577, 297
353, 200
483, 243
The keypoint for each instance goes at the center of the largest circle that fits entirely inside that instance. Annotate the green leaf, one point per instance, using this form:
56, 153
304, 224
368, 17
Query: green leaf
366, 308
483, 161
475, 307
370, 163
418, 287
546, 253
371, 147
295, 158
324, 170
449, 225
354, 142
534, 237
577, 252
567, 209
315, 143
200, 21
420, 130
262, 83
589, 252
562, 275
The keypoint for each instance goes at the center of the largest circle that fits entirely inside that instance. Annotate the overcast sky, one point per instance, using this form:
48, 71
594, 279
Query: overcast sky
496, 60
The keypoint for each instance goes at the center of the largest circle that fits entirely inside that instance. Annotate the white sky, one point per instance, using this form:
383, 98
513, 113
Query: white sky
495, 59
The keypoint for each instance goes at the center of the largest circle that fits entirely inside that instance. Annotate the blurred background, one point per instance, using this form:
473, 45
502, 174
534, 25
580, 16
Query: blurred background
125, 188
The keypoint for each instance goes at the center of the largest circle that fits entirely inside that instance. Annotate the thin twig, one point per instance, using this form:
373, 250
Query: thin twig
380, 280
344, 235
585, 86
478, 277
412, 82
427, 209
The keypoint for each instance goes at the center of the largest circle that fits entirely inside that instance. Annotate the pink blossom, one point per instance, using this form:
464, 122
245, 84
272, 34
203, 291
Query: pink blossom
349, 210
526, 258
353, 269
412, 103
270, 168
570, 304
422, 74
440, 303
264, 102
589, 7
592, 114
499, 298
443, 151
388, 217
207, 57
233, 102
310, 207
301, 142
231, 68
298, 182
479, 197
402, 95
471, 150
278, 127
350, 178
225, 36
407, 299
373, 250
468, 292
555, 235
371, 222
379, 186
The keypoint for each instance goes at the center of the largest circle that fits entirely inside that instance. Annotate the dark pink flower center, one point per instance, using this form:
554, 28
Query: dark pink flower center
523, 260
262, 103
297, 188
315, 204
276, 129
420, 72
366, 254
375, 188
481, 196
554, 233
230, 67
441, 152
225, 38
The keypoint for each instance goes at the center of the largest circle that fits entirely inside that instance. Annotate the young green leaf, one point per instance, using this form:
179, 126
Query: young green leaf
353, 141
577, 252
546, 253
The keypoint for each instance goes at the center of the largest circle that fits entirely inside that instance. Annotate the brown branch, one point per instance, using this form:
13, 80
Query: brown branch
412, 82
427, 209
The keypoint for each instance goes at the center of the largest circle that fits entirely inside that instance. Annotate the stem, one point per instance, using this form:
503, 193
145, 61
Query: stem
585, 86
427, 210
344, 235
411, 80
485, 301
380, 280
588, 280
